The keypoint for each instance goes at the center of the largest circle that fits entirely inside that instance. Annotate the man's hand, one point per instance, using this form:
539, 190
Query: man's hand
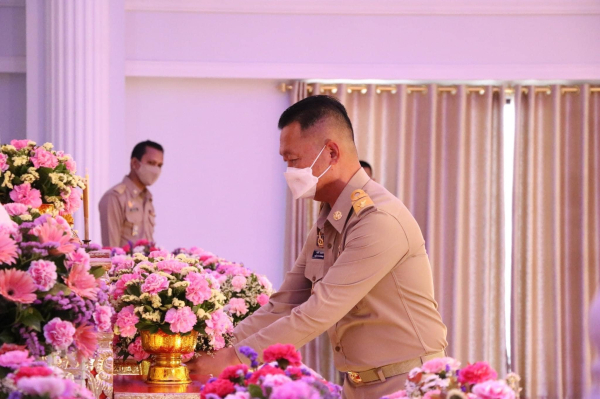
207, 364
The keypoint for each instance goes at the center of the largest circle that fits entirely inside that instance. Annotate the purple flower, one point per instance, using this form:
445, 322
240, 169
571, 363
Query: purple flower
250, 354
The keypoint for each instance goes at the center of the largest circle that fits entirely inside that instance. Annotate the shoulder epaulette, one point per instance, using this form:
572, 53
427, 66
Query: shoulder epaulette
360, 201
120, 188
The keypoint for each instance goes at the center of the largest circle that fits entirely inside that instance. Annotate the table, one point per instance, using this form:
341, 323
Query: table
134, 387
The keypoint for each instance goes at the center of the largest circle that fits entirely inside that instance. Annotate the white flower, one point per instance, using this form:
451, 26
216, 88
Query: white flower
26, 218
177, 303
9, 149
202, 314
8, 176
28, 178
152, 316
156, 302
20, 160
139, 249
139, 256
33, 171
48, 146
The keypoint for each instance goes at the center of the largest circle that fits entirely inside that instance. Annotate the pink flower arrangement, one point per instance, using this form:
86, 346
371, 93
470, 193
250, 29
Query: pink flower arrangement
477, 373
234, 373
55, 231
155, 283
43, 273
170, 265
72, 202
43, 158
86, 340
182, 320
20, 144
220, 388
17, 286
280, 352
102, 317
198, 289
238, 306
24, 194
81, 282
79, 257
137, 351
3, 163
440, 364
16, 209
238, 283
120, 285
217, 327
16, 358
493, 390
59, 333
263, 299
8, 249
126, 321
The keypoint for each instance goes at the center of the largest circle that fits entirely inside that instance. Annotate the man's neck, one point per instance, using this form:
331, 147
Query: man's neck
136, 180
335, 188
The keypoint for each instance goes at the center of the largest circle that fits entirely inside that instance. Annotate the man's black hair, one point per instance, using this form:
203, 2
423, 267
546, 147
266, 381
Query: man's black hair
140, 149
365, 164
309, 111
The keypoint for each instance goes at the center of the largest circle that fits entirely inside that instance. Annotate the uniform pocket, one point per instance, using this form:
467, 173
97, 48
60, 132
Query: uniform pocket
314, 270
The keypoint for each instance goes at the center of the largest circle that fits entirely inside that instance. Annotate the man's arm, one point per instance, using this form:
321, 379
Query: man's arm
374, 246
111, 220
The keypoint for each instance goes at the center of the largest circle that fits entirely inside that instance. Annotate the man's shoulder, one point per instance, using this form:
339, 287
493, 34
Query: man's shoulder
116, 192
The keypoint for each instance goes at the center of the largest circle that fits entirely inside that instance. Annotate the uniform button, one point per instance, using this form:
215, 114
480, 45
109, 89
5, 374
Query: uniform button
314, 278
337, 349
329, 245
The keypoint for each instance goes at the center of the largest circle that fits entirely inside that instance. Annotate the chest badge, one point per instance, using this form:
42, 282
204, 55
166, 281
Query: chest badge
320, 238
337, 215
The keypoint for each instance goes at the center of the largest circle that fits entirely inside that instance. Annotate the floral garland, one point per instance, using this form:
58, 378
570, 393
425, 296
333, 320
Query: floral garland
34, 175
51, 299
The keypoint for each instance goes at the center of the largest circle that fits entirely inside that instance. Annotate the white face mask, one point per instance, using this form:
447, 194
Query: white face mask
302, 182
148, 174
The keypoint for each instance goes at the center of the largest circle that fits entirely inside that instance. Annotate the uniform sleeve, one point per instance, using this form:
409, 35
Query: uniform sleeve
111, 220
294, 291
373, 247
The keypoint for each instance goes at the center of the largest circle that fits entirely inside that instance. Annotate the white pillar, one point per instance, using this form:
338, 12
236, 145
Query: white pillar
72, 80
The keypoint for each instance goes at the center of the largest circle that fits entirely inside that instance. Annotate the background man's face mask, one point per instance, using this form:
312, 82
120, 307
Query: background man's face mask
302, 182
148, 174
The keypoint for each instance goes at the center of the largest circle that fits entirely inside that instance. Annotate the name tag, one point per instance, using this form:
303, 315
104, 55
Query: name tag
318, 255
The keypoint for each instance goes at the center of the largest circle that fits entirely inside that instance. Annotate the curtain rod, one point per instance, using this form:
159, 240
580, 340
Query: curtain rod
441, 89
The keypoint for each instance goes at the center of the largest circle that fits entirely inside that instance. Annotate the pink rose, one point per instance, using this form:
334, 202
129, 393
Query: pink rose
59, 333
19, 144
238, 283
3, 162
44, 159
440, 364
493, 390
477, 373
182, 320
155, 283
24, 194
43, 273
135, 348
263, 299
16, 209
126, 321
102, 317
198, 290
238, 306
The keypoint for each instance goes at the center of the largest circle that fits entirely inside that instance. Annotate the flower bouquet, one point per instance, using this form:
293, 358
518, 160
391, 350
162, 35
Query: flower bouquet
208, 260
245, 291
51, 300
171, 294
143, 247
282, 377
442, 378
22, 377
36, 175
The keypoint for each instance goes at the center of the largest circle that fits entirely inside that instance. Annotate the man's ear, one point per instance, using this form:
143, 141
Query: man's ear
134, 163
334, 151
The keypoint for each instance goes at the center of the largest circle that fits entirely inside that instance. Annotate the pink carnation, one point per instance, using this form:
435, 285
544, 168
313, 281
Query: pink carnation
44, 159
19, 144
169, 266
477, 373
121, 262
81, 282
102, 317
234, 373
24, 194
158, 254
16, 209
72, 201
71, 165
238, 306
238, 283
43, 273
283, 352
137, 351
59, 333
120, 286
155, 283
182, 320
15, 359
295, 390
126, 321
78, 257
265, 283
3, 163
218, 324
440, 364
52, 387
263, 299
493, 390
198, 290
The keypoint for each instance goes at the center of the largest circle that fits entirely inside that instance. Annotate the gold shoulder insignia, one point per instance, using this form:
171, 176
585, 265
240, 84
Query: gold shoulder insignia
120, 188
360, 201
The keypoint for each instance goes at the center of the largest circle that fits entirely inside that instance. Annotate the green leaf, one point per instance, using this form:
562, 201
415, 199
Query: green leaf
134, 290
58, 287
97, 271
31, 317
6, 337
153, 329
255, 391
166, 328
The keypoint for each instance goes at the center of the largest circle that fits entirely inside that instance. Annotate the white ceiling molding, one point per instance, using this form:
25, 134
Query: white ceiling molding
233, 70
12, 65
372, 7
12, 3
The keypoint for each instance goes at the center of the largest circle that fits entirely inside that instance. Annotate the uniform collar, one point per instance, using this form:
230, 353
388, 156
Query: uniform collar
133, 188
342, 207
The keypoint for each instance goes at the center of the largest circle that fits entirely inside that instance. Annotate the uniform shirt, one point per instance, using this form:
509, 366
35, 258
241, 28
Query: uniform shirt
368, 283
126, 214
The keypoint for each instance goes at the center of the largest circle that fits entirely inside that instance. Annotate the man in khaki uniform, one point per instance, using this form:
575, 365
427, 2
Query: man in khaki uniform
126, 210
363, 274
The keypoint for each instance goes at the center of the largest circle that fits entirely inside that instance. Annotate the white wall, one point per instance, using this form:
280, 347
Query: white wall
222, 185
12, 106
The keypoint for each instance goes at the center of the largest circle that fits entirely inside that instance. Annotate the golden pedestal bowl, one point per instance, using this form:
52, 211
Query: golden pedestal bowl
166, 368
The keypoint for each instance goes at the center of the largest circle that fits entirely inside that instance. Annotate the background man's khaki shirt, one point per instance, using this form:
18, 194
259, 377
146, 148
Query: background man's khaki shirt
368, 284
126, 214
